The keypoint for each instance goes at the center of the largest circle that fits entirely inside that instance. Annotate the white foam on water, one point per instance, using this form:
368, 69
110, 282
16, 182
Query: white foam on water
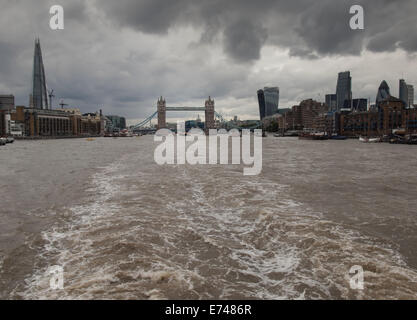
1, 263
157, 233
57, 239
320, 271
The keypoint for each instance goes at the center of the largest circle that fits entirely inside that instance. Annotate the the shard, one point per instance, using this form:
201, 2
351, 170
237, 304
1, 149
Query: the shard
39, 97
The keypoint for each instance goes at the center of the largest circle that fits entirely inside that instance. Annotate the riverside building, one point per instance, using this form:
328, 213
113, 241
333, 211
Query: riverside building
6, 105
42, 123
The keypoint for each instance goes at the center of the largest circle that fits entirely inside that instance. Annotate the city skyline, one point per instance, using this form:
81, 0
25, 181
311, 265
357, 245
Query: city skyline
187, 59
212, 157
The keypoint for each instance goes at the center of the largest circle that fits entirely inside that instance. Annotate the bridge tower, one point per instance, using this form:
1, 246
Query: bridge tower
162, 113
209, 114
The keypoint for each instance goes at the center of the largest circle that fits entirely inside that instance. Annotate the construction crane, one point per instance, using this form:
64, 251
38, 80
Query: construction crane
62, 104
51, 95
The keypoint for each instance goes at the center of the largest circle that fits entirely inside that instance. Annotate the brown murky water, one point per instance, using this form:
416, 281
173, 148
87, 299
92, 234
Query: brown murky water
123, 227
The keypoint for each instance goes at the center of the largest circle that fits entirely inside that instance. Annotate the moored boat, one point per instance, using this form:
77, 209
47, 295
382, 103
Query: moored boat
408, 139
338, 138
313, 136
9, 139
369, 140
291, 133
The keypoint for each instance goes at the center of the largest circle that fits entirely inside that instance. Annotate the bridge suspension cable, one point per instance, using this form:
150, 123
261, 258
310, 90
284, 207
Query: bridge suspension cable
146, 121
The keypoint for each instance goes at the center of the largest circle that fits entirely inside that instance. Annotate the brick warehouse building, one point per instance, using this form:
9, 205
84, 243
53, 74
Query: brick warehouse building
390, 115
359, 124
411, 120
303, 116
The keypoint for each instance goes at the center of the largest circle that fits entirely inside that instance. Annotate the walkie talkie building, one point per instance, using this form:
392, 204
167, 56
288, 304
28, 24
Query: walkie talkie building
39, 98
268, 100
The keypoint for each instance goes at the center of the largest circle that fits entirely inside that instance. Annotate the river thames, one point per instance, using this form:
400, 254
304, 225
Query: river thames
123, 227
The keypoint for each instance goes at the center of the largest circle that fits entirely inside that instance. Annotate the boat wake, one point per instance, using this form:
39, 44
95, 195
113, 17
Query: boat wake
207, 232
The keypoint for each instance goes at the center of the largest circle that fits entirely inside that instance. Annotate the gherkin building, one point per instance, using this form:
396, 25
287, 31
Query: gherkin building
383, 92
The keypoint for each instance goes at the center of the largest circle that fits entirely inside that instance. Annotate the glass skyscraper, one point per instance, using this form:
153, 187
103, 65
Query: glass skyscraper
383, 92
343, 89
410, 91
117, 122
268, 100
403, 95
261, 102
271, 100
359, 105
39, 98
406, 93
331, 102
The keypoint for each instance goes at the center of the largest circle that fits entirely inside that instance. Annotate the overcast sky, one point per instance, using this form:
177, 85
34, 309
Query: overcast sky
122, 55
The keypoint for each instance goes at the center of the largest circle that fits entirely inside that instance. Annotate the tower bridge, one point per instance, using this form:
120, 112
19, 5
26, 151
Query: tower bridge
162, 109
209, 110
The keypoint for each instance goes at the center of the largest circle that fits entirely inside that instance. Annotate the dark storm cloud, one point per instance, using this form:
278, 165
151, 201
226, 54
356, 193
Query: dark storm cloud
122, 55
243, 40
306, 28
147, 15
325, 28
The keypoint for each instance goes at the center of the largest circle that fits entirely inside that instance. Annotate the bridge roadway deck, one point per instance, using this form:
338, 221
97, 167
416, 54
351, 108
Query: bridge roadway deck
186, 109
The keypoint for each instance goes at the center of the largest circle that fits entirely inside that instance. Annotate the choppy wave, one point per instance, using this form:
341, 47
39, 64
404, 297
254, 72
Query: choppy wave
206, 232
